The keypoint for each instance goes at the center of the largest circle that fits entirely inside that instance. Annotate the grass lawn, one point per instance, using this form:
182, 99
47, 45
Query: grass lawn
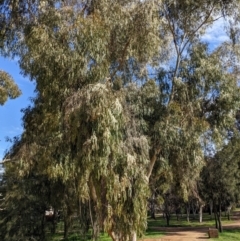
228, 235
150, 233
208, 221
103, 237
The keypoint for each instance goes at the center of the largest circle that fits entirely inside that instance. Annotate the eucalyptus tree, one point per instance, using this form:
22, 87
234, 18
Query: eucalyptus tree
80, 125
100, 121
197, 88
220, 178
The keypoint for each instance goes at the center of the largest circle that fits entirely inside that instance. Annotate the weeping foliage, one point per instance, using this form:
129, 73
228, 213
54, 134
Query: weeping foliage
103, 158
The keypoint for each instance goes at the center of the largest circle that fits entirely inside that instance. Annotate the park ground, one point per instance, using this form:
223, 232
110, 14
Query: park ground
194, 231
179, 230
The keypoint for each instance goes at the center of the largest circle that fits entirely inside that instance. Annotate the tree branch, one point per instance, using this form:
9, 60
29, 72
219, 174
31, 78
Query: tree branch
121, 59
153, 160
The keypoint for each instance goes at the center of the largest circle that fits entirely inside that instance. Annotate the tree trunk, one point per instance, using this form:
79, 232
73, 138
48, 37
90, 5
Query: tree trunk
216, 220
228, 215
43, 228
218, 214
54, 222
210, 207
228, 212
215, 215
168, 219
194, 210
94, 217
152, 161
220, 228
220, 217
188, 211
178, 213
200, 213
96, 230
134, 236
67, 221
112, 235
152, 207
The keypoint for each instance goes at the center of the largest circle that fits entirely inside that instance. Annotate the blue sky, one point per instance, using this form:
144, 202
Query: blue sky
10, 113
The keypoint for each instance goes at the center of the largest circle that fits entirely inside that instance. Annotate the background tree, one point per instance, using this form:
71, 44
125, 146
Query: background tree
220, 178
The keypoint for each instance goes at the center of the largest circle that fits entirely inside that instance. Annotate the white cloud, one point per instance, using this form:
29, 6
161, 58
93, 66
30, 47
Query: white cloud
216, 34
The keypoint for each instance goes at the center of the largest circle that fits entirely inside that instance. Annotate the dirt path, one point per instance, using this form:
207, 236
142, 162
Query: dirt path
188, 234
183, 234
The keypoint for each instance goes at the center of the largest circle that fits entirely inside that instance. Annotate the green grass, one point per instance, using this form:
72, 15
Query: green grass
228, 235
150, 233
208, 221
74, 236
103, 237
